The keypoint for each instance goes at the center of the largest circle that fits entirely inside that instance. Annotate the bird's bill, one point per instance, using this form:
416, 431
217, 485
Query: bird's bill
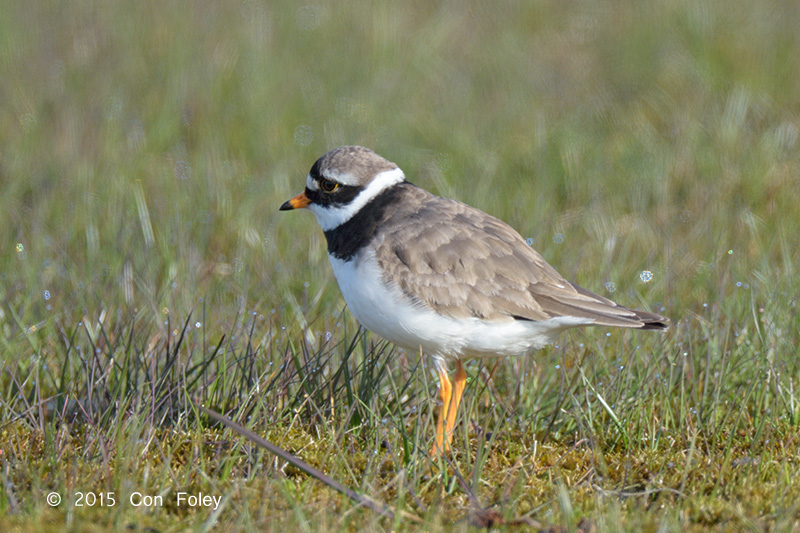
298, 202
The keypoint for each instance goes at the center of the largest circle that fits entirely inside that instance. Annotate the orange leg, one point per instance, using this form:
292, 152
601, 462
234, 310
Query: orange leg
451, 399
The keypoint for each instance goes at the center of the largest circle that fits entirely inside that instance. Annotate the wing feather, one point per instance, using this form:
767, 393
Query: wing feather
462, 262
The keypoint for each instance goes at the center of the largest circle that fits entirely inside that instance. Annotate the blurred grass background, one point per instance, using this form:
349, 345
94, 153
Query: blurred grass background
146, 146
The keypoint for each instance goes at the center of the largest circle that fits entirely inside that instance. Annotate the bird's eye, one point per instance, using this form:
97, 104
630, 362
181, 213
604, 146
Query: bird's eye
328, 185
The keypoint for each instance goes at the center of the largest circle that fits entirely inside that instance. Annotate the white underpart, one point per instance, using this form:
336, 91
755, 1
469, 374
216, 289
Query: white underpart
333, 216
383, 309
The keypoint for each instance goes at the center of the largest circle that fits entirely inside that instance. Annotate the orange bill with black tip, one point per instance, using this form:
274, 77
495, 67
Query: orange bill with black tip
298, 202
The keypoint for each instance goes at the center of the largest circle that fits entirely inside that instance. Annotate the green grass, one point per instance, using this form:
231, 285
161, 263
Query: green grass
145, 148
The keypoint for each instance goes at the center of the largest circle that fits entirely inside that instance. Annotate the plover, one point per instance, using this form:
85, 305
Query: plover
437, 276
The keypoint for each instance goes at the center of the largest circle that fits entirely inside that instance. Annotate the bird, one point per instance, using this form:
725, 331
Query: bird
436, 276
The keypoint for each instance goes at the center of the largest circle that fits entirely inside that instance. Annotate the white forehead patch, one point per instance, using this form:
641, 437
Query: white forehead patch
311, 184
332, 217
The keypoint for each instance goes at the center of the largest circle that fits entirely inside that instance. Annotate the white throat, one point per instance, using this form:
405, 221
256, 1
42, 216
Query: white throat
334, 216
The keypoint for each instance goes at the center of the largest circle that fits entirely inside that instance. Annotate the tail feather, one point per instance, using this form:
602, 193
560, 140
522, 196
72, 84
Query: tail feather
652, 320
620, 316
